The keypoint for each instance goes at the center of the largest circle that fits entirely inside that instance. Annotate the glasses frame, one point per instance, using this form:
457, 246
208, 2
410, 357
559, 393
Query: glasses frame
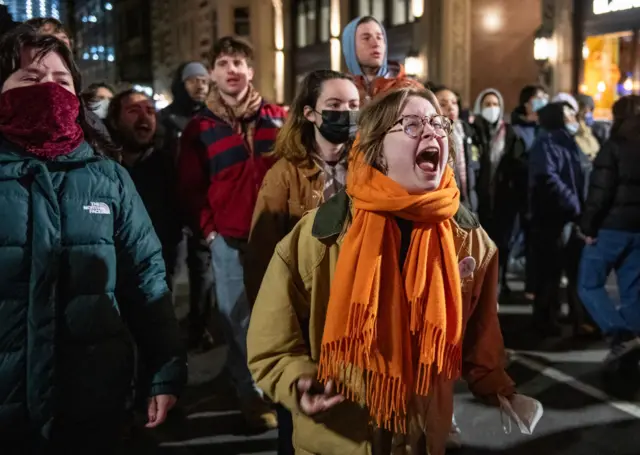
424, 120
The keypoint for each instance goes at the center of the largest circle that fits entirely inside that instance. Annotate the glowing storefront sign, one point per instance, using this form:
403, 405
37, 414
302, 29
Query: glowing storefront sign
610, 6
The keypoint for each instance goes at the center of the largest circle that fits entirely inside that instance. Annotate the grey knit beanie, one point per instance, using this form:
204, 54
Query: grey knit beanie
194, 69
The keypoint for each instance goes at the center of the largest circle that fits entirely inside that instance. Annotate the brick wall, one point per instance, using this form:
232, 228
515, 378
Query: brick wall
502, 34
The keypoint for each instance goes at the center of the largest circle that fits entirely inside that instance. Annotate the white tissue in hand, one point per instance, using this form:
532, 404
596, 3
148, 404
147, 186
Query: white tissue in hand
525, 411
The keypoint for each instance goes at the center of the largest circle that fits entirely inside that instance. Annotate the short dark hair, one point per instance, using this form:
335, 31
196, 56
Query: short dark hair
230, 45
528, 92
26, 36
89, 95
626, 117
56, 25
115, 106
368, 19
439, 88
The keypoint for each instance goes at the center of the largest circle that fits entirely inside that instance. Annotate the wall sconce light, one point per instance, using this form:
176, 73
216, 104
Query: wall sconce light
585, 51
417, 8
544, 45
543, 52
413, 64
542, 49
492, 21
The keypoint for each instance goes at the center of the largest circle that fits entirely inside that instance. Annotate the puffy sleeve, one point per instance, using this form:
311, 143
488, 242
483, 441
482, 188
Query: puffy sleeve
602, 189
142, 290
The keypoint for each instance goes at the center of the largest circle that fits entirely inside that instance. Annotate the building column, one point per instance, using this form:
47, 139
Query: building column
263, 40
288, 12
562, 60
455, 46
345, 18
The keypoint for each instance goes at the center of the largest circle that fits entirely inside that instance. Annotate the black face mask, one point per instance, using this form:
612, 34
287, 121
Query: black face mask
338, 126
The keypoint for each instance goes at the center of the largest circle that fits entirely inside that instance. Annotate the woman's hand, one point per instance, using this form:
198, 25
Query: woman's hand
314, 398
159, 407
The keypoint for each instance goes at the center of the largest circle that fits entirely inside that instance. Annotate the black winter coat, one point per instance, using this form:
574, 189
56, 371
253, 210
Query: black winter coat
613, 201
156, 180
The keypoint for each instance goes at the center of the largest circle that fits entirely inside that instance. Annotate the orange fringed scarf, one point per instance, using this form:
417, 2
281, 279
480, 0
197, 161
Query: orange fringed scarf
398, 330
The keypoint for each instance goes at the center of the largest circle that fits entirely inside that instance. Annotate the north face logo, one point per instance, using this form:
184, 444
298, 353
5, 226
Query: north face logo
97, 208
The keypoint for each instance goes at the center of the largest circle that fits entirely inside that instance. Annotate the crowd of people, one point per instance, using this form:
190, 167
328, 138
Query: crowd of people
354, 246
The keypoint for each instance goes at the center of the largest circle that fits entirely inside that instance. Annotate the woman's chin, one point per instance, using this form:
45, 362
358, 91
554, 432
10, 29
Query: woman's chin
428, 180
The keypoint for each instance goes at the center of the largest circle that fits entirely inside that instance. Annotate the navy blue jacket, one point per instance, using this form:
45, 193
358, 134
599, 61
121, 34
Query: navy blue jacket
556, 178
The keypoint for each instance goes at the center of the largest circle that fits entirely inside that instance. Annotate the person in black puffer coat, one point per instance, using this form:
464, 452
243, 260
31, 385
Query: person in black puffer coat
190, 88
611, 226
82, 269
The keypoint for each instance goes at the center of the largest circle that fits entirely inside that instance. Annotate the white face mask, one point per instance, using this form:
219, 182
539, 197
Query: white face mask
491, 114
100, 108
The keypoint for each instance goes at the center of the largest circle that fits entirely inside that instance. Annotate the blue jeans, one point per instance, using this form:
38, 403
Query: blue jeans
619, 250
235, 313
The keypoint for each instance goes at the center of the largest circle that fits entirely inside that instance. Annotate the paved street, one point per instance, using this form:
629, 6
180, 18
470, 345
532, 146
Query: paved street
586, 413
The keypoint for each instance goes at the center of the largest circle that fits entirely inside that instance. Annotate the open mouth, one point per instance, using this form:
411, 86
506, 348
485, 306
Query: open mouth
428, 159
233, 80
144, 129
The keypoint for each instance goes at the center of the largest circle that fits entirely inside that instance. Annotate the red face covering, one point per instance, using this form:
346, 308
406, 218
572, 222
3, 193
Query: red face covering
42, 118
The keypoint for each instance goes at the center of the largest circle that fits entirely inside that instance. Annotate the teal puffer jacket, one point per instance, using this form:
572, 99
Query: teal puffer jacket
81, 269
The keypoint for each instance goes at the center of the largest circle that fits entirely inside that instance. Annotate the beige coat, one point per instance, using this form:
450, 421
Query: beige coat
288, 318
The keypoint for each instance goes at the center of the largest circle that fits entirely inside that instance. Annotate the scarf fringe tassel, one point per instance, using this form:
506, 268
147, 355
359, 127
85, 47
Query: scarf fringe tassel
385, 396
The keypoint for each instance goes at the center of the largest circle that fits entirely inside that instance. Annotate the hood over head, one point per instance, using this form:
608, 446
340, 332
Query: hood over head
566, 98
477, 107
585, 100
551, 117
349, 48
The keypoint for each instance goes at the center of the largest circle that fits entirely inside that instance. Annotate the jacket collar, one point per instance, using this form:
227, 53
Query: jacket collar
332, 217
206, 112
14, 162
309, 168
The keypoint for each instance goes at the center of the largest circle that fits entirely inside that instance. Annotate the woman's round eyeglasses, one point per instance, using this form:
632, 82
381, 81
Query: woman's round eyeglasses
413, 125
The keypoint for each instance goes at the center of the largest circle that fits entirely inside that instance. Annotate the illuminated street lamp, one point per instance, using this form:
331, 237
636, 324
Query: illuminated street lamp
542, 49
543, 45
543, 53
413, 64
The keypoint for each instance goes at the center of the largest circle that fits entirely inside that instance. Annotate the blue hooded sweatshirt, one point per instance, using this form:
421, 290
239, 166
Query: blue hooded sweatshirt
349, 49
